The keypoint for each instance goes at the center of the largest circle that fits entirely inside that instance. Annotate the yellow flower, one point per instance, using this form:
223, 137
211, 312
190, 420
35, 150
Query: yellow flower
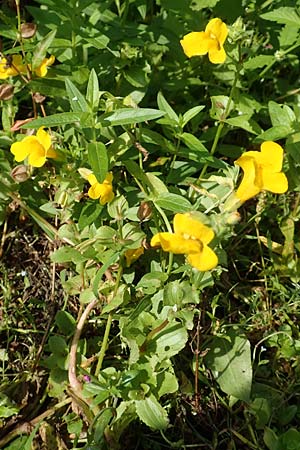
209, 41
190, 237
37, 148
11, 66
103, 191
262, 171
133, 254
42, 70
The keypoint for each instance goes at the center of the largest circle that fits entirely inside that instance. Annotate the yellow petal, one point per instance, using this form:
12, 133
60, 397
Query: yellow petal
51, 153
217, 56
44, 138
195, 43
271, 156
107, 195
251, 183
95, 191
36, 159
203, 261
92, 179
21, 150
175, 244
217, 29
133, 254
42, 70
109, 177
187, 227
275, 182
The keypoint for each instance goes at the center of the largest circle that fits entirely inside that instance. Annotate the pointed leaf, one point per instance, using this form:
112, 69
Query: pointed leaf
77, 101
98, 159
41, 49
152, 413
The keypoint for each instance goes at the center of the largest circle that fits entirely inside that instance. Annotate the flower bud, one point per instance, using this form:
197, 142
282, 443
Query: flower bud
6, 91
144, 212
28, 30
20, 173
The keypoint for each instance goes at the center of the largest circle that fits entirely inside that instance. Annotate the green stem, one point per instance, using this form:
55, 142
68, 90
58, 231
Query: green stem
169, 228
108, 326
221, 125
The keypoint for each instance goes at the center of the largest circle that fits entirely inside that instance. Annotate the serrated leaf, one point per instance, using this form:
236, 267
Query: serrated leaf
127, 116
152, 413
173, 202
285, 14
164, 106
41, 49
258, 61
60, 119
77, 101
98, 159
229, 359
92, 91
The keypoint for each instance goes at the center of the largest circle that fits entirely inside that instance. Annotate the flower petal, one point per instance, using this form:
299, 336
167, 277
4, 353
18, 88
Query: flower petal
21, 150
203, 261
107, 195
175, 244
217, 56
94, 191
251, 183
217, 29
92, 179
275, 182
44, 138
36, 159
187, 227
271, 156
133, 254
195, 43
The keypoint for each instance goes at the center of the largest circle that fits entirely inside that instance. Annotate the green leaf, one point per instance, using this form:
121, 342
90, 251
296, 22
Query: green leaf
270, 439
258, 61
65, 322
41, 49
281, 115
77, 101
275, 133
55, 120
244, 121
193, 143
164, 106
173, 202
127, 116
229, 359
92, 91
190, 114
152, 413
67, 254
285, 14
219, 104
98, 159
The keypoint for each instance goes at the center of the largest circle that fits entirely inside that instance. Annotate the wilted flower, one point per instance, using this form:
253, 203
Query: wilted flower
190, 237
209, 41
103, 191
132, 254
37, 148
262, 171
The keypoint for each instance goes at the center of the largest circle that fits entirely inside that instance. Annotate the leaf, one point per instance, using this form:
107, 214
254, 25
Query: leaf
55, 120
229, 359
127, 116
92, 91
193, 143
258, 61
41, 49
285, 14
173, 202
244, 121
275, 133
98, 159
164, 106
152, 413
281, 115
67, 254
77, 101
190, 114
